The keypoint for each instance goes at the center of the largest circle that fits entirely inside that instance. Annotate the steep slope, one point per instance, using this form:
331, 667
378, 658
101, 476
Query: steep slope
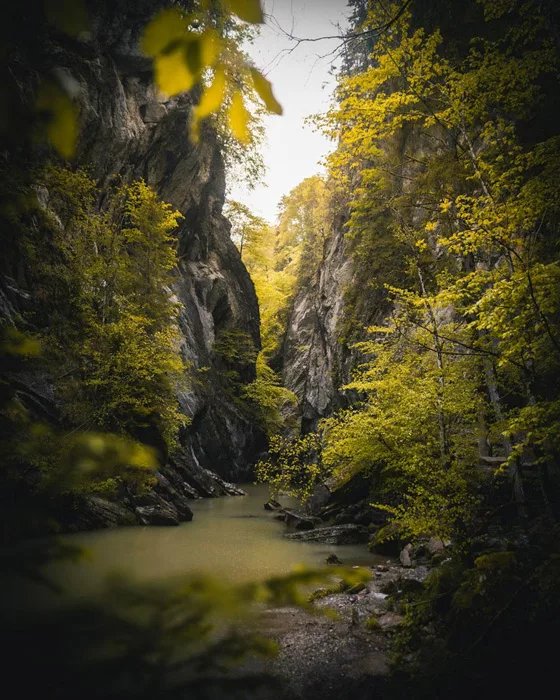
325, 321
127, 131
315, 363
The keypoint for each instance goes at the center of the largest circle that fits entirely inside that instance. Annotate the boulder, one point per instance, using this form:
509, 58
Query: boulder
361, 514
162, 506
184, 512
339, 492
405, 556
299, 521
319, 498
156, 515
390, 620
435, 545
94, 512
387, 541
272, 505
421, 552
333, 560
335, 534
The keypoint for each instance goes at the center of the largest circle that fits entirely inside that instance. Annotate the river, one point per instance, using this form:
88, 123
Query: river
231, 537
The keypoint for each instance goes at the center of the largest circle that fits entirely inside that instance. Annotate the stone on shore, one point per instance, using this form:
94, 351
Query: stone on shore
336, 534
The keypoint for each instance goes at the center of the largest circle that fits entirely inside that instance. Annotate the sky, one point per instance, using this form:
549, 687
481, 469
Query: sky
303, 85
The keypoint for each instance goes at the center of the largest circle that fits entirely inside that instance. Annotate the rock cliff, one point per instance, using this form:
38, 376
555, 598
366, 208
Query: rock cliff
128, 131
327, 317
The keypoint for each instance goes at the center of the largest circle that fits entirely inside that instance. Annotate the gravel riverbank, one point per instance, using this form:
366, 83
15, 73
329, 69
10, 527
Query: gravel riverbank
334, 657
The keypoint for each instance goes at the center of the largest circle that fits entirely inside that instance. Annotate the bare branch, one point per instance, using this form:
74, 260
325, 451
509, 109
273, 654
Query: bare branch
344, 38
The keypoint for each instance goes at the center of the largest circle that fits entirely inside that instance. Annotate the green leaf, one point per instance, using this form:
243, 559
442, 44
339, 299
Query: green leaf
213, 96
210, 102
264, 90
193, 55
172, 72
211, 45
61, 118
68, 16
238, 118
247, 10
167, 27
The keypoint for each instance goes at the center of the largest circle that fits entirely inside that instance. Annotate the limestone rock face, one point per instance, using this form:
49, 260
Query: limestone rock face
316, 359
130, 131
313, 361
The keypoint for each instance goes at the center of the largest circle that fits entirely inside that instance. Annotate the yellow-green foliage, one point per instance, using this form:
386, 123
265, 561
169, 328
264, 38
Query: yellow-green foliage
276, 261
415, 431
281, 259
102, 277
256, 241
334, 589
235, 347
85, 462
303, 228
185, 639
272, 401
294, 466
76, 461
201, 48
429, 157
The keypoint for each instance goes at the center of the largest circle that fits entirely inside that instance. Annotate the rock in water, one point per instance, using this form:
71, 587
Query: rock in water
272, 505
333, 560
94, 513
299, 521
151, 515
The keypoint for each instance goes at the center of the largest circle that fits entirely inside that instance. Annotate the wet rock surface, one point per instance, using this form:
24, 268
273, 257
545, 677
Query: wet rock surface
152, 515
333, 560
273, 505
93, 512
335, 534
299, 521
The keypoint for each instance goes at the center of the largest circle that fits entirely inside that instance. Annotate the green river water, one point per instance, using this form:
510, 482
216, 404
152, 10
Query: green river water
231, 537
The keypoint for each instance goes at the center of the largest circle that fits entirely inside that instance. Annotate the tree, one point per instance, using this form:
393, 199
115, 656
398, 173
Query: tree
247, 230
112, 339
431, 152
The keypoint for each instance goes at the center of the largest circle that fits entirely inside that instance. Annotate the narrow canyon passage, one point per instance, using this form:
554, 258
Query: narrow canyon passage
280, 349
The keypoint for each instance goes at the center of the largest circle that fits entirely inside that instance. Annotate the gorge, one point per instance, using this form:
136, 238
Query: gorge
213, 406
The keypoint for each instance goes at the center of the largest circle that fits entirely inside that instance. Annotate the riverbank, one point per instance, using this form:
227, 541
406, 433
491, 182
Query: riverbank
237, 540
341, 651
